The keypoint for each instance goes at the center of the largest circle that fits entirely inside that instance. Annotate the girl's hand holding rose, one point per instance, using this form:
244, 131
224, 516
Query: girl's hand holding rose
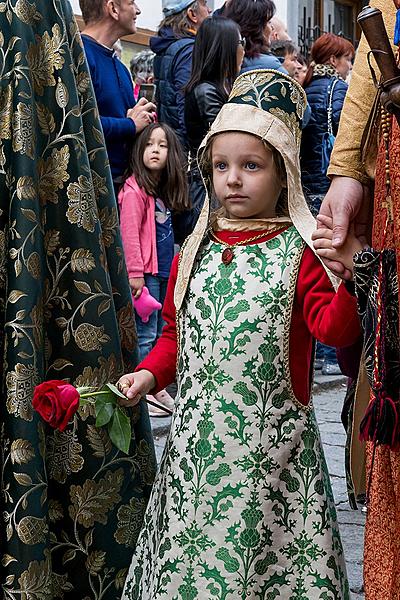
136, 385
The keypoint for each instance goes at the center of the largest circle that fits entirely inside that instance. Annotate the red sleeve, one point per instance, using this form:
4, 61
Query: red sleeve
161, 361
331, 317
132, 212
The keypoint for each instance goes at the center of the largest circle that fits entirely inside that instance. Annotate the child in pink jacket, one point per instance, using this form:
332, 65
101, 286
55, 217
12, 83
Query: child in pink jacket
155, 187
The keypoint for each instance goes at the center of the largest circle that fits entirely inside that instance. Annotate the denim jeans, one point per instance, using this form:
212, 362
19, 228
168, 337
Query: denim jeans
149, 332
326, 353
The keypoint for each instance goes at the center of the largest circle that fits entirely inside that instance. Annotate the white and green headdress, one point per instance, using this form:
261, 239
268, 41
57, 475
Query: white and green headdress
271, 106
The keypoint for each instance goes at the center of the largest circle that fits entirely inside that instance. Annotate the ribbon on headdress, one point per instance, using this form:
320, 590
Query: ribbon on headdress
397, 26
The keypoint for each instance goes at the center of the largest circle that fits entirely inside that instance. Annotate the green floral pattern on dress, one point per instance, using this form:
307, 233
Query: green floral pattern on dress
242, 507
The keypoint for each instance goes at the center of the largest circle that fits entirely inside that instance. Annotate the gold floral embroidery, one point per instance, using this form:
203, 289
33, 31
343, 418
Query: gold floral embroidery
6, 97
20, 384
24, 137
63, 455
88, 337
127, 331
33, 265
83, 82
53, 174
250, 83
55, 511
37, 323
27, 12
21, 452
82, 261
32, 530
81, 205
130, 517
44, 58
92, 501
26, 189
109, 225
35, 582
290, 120
95, 562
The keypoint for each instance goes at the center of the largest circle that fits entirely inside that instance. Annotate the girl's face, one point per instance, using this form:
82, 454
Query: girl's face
156, 152
245, 178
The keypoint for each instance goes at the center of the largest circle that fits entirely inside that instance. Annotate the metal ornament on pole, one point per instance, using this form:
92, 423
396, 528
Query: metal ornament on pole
372, 25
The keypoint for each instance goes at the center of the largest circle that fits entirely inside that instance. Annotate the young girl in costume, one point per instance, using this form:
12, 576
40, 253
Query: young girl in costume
242, 506
155, 186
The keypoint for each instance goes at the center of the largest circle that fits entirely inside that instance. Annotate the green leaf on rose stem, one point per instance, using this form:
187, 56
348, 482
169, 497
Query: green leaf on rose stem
105, 396
104, 412
115, 390
120, 430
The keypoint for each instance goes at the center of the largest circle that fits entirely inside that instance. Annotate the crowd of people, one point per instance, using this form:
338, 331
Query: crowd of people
223, 179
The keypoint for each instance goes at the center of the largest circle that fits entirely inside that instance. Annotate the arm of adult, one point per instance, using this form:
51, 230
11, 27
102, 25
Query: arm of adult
182, 70
348, 197
118, 128
209, 102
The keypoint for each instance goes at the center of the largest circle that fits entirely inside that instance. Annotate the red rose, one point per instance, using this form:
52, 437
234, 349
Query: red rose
56, 401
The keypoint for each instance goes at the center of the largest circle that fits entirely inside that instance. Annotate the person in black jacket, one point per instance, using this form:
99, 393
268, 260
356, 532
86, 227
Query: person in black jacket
326, 87
173, 47
217, 57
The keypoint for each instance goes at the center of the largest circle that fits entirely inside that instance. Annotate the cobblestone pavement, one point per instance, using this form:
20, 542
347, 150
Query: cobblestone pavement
328, 399
328, 405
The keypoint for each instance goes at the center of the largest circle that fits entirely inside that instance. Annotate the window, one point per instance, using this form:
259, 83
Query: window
319, 16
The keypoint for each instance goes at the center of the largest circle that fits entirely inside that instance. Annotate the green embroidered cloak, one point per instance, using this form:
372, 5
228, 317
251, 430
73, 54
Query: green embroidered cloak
72, 504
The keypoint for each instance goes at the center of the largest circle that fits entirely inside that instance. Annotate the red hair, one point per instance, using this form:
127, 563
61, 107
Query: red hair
326, 46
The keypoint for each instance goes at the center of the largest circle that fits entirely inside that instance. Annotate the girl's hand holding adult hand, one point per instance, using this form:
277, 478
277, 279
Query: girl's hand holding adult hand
137, 284
323, 244
135, 385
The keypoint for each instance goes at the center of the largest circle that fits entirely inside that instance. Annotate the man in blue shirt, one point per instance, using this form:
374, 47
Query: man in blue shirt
105, 22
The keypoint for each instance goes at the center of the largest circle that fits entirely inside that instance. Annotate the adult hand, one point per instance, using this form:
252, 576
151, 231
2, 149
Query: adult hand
137, 284
347, 201
135, 385
142, 114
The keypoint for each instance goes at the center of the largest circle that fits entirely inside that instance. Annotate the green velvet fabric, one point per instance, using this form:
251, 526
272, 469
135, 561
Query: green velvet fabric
72, 504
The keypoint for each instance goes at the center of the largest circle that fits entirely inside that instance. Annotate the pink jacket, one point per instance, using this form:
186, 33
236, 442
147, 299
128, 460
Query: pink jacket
138, 229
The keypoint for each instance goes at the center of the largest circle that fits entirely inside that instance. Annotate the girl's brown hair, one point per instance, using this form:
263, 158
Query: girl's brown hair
172, 187
282, 207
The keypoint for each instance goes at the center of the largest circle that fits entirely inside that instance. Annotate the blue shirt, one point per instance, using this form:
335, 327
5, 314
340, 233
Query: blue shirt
164, 239
113, 87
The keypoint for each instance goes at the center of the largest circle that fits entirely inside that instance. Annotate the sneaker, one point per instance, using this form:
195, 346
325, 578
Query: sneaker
331, 369
318, 363
154, 411
163, 399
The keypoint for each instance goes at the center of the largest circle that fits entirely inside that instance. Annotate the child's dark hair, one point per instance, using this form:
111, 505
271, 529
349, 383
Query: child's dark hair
172, 187
282, 207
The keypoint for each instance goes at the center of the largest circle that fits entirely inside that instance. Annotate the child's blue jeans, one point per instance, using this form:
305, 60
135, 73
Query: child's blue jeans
149, 332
